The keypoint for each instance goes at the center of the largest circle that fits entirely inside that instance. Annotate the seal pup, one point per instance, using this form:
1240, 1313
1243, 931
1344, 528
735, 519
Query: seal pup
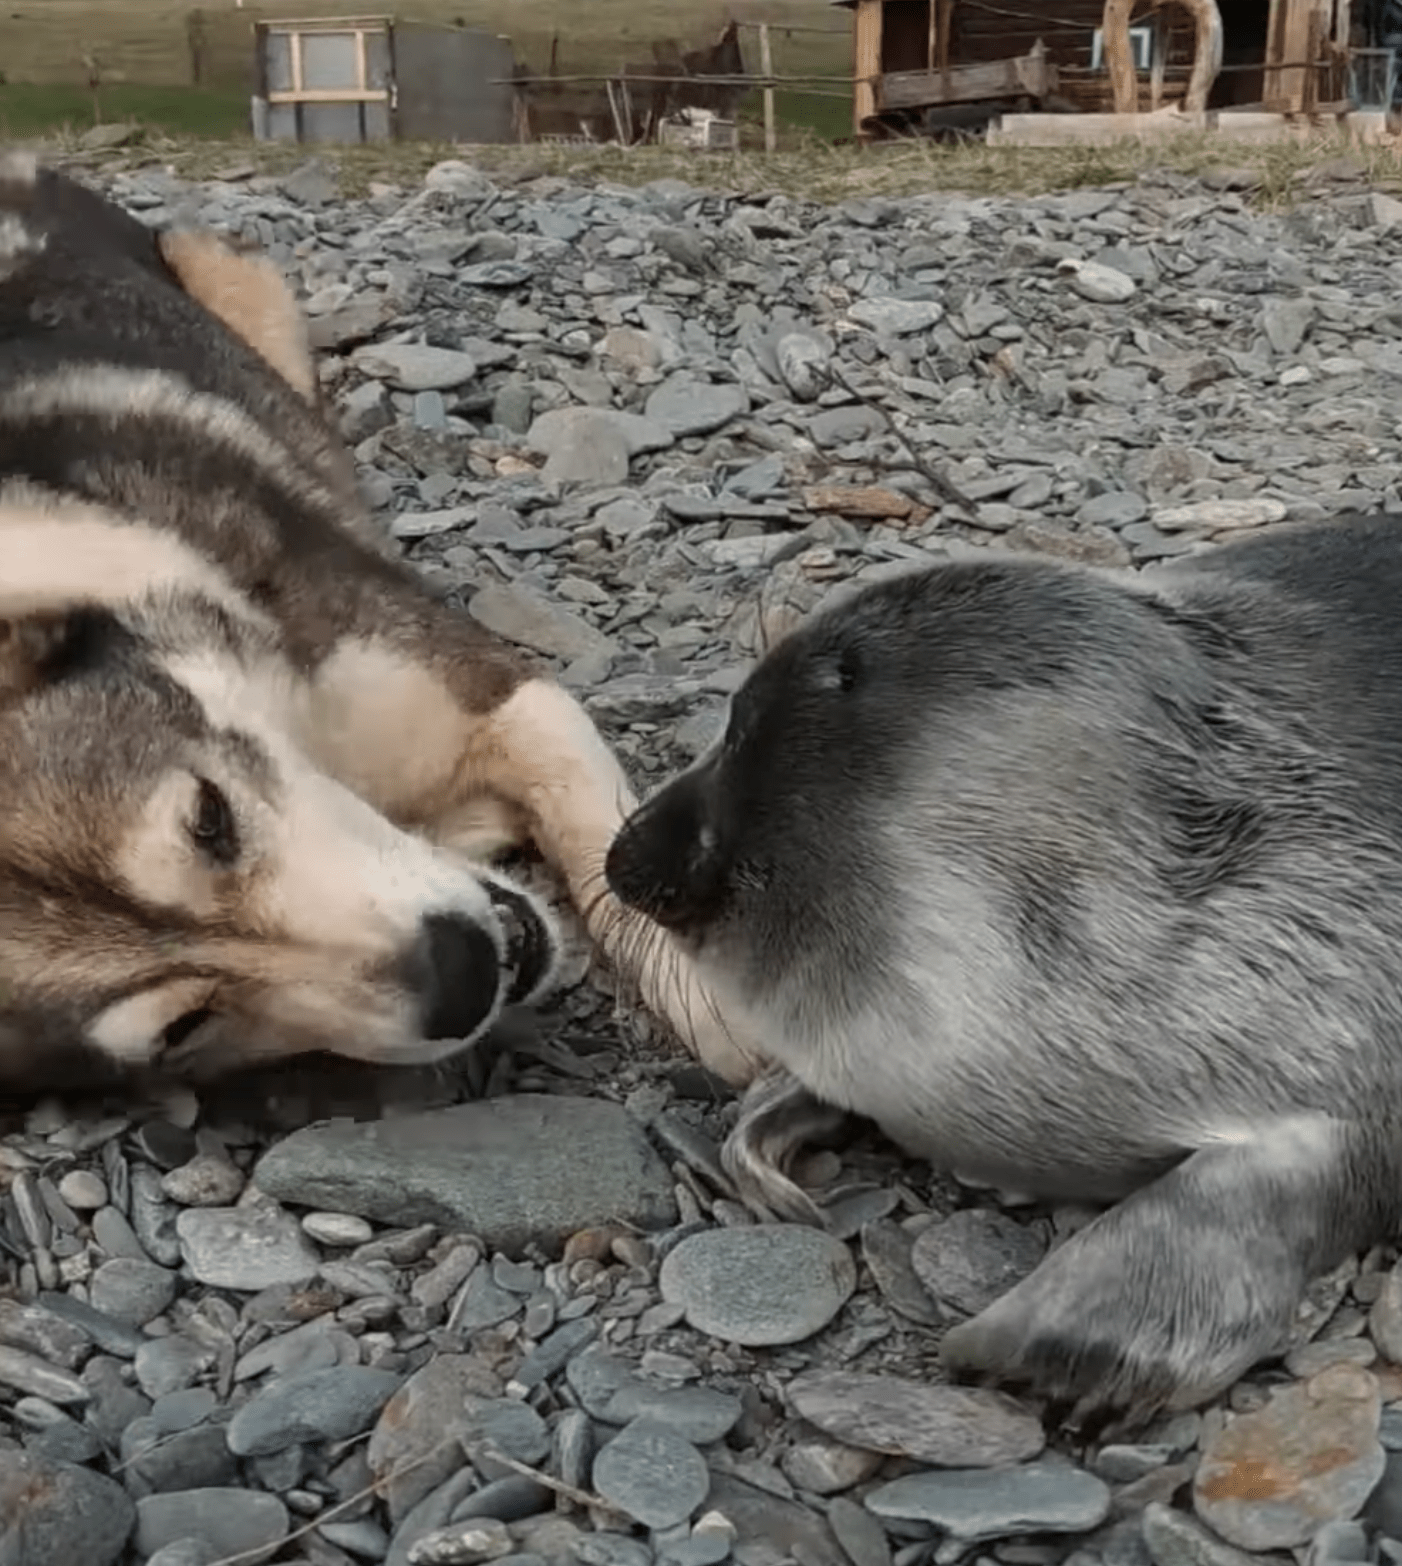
1089, 886
253, 771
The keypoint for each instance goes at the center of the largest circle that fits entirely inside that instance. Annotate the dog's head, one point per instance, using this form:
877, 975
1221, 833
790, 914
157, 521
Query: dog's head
181, 887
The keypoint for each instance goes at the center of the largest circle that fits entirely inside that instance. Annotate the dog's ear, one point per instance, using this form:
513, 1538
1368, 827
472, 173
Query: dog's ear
47, 645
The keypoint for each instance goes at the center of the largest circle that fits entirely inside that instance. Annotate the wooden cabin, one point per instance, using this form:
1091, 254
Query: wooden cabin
932, 64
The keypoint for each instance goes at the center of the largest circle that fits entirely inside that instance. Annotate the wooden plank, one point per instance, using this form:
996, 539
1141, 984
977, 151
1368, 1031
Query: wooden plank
1029, 76
330, 95
866, 62
1292, 31
1118, 56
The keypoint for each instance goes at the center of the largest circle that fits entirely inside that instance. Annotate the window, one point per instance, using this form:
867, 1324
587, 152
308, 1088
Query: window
1141, 48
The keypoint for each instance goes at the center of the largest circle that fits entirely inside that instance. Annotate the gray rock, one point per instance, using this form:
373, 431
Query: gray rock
802, 359
166, 1365
58, 1512
965, 1427
688, 407
652, 1474
131, 1291
515, 1171
1174, 1539
1049, 1496
765, 1284
840, 426
532, 620
1285, 323
886, 1249
232, 1521
416, 367
185, 1552
896, 317
27, 1373
1318, 1442
246, 1248
972, 1257
592, 446
318, 1405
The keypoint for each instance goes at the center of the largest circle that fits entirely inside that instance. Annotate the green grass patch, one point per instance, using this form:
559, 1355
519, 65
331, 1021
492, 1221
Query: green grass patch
31, 109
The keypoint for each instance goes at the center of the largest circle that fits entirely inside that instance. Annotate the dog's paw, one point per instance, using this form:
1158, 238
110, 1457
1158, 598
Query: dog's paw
1122, 1323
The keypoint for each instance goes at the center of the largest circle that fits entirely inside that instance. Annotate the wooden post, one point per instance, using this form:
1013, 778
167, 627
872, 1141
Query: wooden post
866, 63
766, 70
934, 38
1289, 63
1207, 53
945, 9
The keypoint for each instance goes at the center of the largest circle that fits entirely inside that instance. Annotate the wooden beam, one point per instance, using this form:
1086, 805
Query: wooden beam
1118, 57
866, 62
1294, 28
1029, 75
766, 70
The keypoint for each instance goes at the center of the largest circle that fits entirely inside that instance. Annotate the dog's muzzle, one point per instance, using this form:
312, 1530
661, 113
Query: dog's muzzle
459, 974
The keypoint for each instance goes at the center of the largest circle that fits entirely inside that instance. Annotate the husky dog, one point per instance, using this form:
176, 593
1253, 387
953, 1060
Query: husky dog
1086, 886
250, 767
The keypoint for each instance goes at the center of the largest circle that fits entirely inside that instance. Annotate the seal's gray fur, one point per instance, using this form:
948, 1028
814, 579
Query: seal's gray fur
1089, 887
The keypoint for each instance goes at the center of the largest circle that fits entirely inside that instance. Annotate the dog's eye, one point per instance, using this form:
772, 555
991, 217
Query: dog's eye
212, 827
174, 1034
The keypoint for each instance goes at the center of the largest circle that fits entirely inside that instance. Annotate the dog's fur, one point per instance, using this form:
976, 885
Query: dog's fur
1087, 887
250, 768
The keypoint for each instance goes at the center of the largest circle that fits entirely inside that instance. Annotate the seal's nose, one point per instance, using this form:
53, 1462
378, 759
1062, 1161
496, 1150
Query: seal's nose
459, 976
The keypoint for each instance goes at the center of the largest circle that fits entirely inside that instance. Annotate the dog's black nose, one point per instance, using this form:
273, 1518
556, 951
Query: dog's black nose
459, 975
530, 943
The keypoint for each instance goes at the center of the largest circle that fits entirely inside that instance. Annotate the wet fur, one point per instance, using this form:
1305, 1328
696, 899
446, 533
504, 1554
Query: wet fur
1088, 887
189, 581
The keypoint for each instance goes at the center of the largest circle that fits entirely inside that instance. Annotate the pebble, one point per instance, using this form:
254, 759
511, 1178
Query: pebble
1269, 1479
763, 1285
317, 1405
1175, 1539
652, 1474
232, 1522
83, 1190
965, 1427
530, 1169
974, 1256
416, 367
1102, 284
245, 1248
130, 1291
59, 1512
1049, 1496
206, 1181
337, 1229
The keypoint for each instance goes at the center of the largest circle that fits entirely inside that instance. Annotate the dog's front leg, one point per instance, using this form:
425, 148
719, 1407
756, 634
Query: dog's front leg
540, 752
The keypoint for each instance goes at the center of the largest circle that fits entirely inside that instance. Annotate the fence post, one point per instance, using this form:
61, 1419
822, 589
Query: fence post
766, 66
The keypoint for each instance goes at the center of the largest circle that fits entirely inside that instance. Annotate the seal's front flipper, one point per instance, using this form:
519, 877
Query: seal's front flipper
1168, 1298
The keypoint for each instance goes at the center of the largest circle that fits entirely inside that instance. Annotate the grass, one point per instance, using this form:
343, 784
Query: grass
31, 109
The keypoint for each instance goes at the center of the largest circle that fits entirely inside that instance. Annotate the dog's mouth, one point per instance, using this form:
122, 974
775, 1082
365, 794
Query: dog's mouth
529, 948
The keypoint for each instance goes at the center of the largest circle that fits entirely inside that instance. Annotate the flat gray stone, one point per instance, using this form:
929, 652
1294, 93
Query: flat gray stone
972, 1257
592, 446
131, 1291
516, 1171
60, 1512
1175, 1539
530, 619
991, 1503
232, 1521
687, 407
896, 317
955, 1427
1311, 1456
652, 1474
759, 1285
318, 1405
416, 367
246, 1248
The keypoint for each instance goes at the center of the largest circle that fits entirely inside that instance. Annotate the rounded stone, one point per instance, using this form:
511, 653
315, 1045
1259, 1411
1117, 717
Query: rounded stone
339, 1229
318, 1405
652, 1474
233, 1521
83, 1190
247, 1248
1041, 1497
974, 1256
59, 1511
761, 1285
133, 1291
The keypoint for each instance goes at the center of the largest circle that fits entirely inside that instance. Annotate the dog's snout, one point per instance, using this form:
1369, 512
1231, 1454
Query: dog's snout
530, 943
459, 976
665, 860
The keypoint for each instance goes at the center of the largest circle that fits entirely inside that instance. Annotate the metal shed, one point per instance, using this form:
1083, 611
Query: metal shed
375, 78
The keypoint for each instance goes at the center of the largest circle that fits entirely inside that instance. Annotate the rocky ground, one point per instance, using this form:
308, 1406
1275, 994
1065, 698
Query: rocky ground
639, 431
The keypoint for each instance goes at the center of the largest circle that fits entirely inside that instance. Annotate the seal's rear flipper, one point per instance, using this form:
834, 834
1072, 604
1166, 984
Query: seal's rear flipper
1165, 1300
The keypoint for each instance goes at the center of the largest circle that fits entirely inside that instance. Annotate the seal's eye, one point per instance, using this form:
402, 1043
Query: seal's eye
212, 827
849, 669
